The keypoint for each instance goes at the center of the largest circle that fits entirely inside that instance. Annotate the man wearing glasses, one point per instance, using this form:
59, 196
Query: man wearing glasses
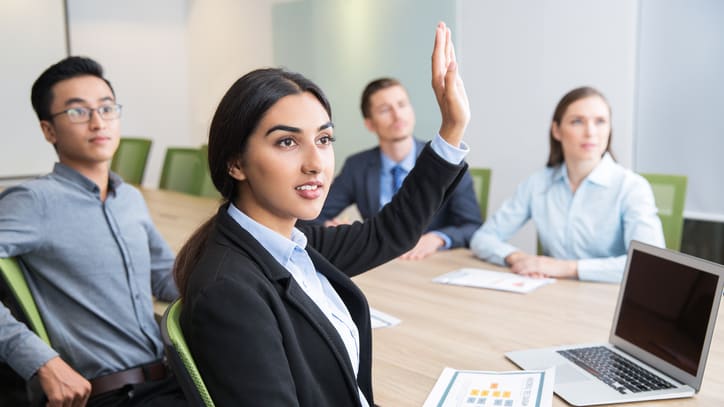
92, 255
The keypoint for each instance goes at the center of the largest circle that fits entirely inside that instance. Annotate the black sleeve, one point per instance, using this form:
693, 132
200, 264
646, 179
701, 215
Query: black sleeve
398, 226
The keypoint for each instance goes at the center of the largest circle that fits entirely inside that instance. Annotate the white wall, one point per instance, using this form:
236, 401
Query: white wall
171, 61
226, 39
143, 47
519, 57
679, 129
343, 45
32, 37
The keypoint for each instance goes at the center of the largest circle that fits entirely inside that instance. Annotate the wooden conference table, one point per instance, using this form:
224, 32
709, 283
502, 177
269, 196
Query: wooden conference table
458, 327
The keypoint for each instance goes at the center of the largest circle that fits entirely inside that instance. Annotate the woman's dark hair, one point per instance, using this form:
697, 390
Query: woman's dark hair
555, 156
237, 116
41, 94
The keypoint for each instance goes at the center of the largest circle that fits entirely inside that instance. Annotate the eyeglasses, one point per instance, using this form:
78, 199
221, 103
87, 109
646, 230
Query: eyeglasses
83, 114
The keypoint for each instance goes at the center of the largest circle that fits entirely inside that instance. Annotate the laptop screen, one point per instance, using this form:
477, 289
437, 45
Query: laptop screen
665, 309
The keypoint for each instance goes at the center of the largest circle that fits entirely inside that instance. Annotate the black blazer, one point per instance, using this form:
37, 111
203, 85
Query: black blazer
359, 183
259, 340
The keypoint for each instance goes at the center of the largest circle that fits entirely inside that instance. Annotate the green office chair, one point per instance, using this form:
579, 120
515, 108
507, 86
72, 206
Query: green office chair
207, 187
16, 295
130, 159
670, 194
13, 277
481, 185
180, 359
181, 170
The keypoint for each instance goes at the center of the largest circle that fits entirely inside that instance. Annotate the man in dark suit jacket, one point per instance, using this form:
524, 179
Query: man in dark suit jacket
370, 178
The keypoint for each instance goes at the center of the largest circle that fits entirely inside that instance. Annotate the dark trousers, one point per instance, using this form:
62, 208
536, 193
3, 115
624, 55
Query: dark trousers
161, 393
12, 388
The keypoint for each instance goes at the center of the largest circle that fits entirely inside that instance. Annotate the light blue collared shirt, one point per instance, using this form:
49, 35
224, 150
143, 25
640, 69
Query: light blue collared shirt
450, 153
595, 226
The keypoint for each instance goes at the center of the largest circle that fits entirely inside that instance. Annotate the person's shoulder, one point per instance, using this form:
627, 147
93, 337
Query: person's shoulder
129, 191
625, 177
543, 177
363, 156
633, 180
222, 266
39, 186
127, 198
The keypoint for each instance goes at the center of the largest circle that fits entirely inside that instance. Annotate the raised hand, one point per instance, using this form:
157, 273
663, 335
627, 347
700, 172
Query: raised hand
448, 87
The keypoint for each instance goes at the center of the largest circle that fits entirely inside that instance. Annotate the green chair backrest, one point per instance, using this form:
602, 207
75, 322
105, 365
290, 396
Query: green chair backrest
174, 341
130, 159
15, 279
182, 170
207, 187
670, 195
481, 185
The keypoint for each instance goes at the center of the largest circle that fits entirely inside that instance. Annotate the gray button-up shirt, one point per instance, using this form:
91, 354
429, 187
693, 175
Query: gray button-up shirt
92, 267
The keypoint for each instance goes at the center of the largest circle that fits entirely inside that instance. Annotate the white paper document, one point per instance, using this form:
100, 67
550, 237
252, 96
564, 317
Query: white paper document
471, 388
381, 320
497, 280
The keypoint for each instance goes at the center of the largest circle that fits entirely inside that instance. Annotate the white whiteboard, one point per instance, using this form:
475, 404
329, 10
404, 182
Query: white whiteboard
32, 37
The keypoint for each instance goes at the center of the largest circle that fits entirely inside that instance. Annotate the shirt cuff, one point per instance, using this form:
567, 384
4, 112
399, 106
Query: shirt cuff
445, 238
450, 153
31, 356
606, 270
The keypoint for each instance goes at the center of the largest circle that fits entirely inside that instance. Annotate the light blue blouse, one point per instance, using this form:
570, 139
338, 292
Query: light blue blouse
611, 207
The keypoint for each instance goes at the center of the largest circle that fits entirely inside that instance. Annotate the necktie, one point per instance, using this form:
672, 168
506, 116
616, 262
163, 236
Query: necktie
398, 175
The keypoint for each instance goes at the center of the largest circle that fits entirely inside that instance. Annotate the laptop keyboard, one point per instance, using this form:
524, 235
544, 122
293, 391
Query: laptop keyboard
615, 370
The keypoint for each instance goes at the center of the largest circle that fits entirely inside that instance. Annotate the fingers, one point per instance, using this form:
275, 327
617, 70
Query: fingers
526, 265
443, 55
449, 51
439, 65
415, 255
62, 385
428, 244
448, 87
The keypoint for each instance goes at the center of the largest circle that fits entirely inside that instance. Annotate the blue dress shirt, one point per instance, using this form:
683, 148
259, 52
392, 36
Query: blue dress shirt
611, 207
450, 153
94, 265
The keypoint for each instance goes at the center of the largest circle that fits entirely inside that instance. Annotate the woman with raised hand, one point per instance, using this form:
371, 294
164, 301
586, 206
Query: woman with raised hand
269, 311
586, 207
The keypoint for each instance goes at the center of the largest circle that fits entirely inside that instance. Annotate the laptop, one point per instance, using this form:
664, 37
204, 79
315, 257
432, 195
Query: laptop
659, 342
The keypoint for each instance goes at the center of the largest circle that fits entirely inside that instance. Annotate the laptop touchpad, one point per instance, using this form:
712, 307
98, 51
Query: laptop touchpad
567, 374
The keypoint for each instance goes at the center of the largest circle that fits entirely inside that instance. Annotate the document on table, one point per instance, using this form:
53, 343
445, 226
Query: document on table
497, 280
472, 388
381, 320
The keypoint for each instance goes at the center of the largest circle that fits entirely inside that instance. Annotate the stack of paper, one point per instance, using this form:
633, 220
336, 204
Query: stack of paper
379, 319
497, 280
527, 388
